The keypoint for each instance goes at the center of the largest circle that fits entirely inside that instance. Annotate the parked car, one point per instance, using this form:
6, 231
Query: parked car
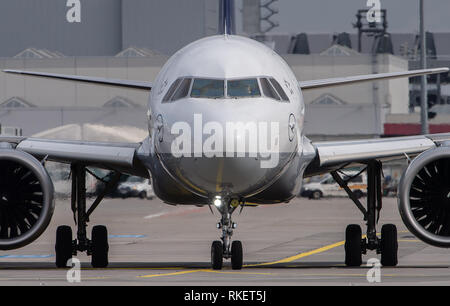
326, 186
100, 186
390, 186
136, 187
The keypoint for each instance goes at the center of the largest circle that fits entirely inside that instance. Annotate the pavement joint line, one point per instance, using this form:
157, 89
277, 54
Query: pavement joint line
91, 269
21, 278
135, 268
127, 236
364, 275
301, 275
205, 271
238, 272
26, 256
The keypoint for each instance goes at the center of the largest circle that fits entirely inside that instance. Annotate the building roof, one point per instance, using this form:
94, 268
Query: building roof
338, 50
16, 102
137, 52
38, 53
401, 42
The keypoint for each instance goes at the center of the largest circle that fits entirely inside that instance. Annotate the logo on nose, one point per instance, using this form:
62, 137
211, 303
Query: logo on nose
160, 127
291, 127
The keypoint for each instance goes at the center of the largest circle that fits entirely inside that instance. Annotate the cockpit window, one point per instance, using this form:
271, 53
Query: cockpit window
182, 90
279, 89
171, 90
215, 89
206, 88
243, 88
268, 89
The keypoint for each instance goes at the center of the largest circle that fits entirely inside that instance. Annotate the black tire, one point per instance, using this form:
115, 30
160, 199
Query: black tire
217, 255
353, 249
100, 247
63, 247
316, 195
236, 255
143, 195
389, 245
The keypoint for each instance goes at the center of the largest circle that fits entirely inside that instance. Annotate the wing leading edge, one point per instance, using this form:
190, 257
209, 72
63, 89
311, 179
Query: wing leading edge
314, 84
86, 79
122, 157
306, 85
338, 154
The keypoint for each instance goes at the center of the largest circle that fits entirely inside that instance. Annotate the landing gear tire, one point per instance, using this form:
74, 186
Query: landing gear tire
353, 249
217, 255
63, 247
389, 245
100, 247
236, 255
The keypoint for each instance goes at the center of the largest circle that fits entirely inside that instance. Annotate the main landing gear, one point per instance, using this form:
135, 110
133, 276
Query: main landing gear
355, 244
97, 247
224, 248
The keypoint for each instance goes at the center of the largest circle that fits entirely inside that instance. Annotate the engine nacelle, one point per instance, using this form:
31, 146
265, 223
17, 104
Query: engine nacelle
26, 199
424, 197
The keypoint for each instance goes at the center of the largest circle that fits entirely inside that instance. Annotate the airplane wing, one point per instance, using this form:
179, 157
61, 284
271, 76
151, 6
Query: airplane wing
93, 80
305, 85
122, 157
330, 156
314, 84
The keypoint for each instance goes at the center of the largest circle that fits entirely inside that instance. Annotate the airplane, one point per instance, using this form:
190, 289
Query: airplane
226, 130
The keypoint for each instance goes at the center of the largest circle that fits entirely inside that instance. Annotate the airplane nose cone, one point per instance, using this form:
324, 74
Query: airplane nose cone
231, 151
228, 176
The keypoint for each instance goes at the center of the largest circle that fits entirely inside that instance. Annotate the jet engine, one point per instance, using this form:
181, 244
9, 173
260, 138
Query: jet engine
424, 197
26, 199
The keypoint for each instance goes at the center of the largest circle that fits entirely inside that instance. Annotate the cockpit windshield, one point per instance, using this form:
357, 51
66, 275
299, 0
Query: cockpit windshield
243, 88
206, 88
216, 89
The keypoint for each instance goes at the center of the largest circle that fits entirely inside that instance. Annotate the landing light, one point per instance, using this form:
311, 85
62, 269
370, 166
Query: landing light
217, 202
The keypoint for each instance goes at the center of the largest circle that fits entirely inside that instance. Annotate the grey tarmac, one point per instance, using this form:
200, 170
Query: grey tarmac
300, 243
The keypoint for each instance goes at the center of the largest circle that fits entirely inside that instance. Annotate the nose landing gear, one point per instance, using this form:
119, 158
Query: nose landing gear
225, 249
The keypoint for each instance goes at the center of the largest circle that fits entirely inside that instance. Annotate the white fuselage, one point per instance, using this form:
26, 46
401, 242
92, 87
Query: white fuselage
232, 146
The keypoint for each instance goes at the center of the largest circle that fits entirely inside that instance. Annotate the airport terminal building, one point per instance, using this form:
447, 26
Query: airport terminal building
133, 39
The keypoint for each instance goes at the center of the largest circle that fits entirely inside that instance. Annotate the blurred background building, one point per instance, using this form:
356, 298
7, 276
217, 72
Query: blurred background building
132, 39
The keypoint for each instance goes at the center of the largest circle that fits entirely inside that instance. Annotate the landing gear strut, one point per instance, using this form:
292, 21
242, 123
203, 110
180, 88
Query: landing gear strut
355, 244
225, 248
98, 246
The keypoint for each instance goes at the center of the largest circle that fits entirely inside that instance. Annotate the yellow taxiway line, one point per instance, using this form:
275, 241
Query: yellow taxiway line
170, 274
298, 256
281, 261
202, 270
309, 253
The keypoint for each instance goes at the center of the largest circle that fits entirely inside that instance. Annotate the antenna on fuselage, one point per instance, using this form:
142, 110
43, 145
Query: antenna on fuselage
227, 25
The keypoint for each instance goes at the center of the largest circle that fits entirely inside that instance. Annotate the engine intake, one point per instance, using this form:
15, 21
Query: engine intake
26, 199
424, 197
